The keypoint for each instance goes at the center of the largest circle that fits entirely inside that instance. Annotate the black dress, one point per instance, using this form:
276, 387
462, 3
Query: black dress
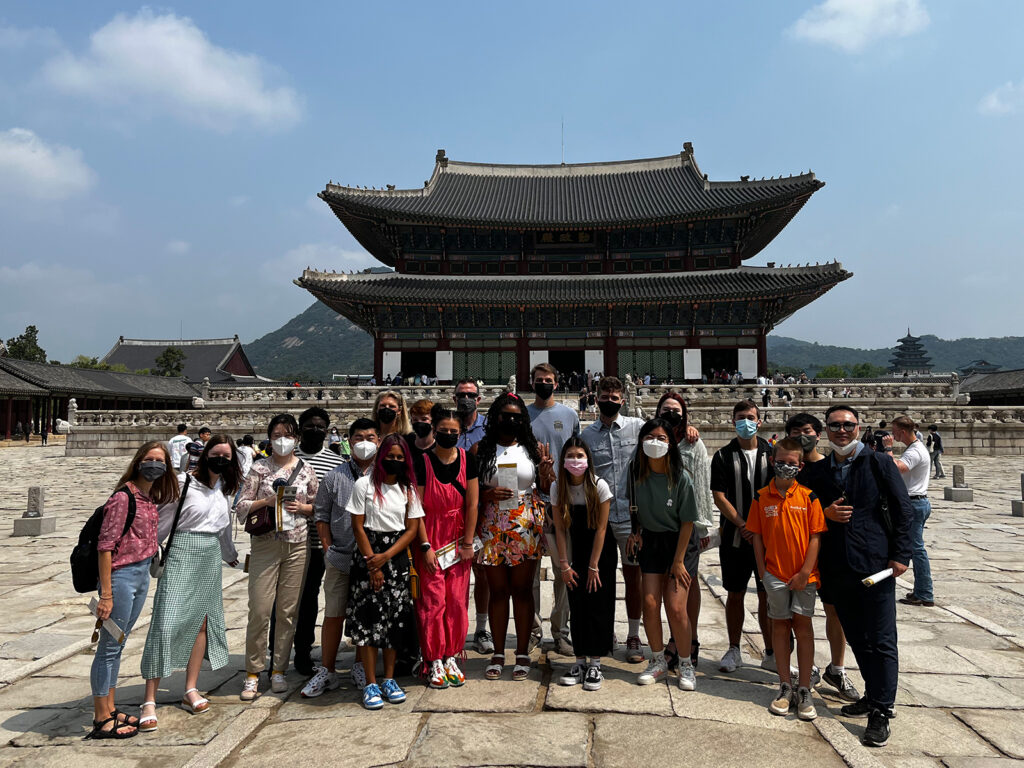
591, 614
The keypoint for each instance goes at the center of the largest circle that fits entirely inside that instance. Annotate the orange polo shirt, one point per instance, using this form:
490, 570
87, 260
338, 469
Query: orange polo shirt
786, 523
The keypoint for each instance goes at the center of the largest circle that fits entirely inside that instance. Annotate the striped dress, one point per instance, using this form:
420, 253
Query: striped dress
190, 590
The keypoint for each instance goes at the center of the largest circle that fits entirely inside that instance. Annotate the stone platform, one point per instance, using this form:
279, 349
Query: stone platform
960, 701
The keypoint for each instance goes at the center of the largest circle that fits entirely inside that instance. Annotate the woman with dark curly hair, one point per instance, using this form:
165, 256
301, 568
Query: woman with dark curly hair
511, 523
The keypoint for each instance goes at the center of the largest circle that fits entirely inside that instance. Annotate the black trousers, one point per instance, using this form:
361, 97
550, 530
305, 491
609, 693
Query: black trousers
868, 616
309, 606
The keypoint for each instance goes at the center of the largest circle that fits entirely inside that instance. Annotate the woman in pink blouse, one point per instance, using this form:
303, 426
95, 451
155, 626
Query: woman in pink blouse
277, 561
124, 574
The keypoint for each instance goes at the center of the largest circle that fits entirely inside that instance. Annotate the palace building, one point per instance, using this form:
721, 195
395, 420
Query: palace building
632, 266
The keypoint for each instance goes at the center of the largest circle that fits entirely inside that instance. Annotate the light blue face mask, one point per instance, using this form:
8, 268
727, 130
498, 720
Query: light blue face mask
746, 428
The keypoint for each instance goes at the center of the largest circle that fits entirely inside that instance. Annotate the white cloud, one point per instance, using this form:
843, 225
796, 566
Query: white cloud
29, 167
15, 39
321, 256
178, 247
1007, 99
851, 25
165, 65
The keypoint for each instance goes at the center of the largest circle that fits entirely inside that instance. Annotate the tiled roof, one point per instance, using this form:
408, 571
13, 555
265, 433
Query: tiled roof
12, 385
204, 358
635, 191
741, 282
999, 381
67, 379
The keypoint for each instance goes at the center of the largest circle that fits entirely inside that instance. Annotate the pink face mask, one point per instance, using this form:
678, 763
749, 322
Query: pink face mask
575, 467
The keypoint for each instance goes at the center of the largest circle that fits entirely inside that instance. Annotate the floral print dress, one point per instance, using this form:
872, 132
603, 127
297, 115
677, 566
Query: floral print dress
512, 536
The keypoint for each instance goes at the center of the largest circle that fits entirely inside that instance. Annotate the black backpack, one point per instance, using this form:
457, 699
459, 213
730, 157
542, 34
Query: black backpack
85, 558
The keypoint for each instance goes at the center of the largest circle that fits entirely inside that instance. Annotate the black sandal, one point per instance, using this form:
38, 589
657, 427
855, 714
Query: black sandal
124, 718
97, 731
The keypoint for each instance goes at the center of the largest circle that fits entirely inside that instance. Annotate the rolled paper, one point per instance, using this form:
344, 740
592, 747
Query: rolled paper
870, 581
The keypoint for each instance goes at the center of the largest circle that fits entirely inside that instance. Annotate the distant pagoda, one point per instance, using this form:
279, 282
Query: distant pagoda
910, 357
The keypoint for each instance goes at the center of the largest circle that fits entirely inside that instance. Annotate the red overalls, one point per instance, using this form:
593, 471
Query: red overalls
442, 610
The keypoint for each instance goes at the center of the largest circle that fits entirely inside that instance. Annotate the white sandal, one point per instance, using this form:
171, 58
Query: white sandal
201, 706
143, 719
521, 671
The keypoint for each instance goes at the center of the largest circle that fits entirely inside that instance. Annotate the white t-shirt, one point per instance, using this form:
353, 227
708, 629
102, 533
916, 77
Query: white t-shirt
513, 454
751, 457
385, 515
577, 495
917, 459
245, 458
176, 447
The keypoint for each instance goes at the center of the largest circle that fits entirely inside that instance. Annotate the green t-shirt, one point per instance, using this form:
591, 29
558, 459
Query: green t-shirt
664, 509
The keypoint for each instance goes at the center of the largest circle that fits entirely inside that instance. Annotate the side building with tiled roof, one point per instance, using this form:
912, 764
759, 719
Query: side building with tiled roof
617, 267
213, 359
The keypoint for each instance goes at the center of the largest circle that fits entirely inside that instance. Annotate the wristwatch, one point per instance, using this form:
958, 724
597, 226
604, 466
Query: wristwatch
424, 546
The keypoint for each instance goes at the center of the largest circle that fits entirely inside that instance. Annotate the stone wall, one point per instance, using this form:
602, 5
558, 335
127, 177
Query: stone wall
966, 429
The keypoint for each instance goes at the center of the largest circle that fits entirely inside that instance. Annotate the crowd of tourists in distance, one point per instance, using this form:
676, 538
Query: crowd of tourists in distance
435, 490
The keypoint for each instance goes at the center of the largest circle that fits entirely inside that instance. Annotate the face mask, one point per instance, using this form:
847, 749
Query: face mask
393, 466
575, 467
808, 442
314, 438
219, 464
364, 450
386, 415
152, 470
845, 450
746, 428
508, 426
786, 471
543, 390
674, 418
446, 439
283, 446
609, 408
655, 449
421, 428
465, 403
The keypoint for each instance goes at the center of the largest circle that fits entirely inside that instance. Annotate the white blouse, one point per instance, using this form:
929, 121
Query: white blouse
526, 472
386, 514
205, 510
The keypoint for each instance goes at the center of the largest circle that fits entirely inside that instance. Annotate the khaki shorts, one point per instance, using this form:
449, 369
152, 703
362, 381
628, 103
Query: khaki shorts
784, 602
335, 592
621, 532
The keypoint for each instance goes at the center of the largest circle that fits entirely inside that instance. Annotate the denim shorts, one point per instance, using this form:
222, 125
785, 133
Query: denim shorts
784, 602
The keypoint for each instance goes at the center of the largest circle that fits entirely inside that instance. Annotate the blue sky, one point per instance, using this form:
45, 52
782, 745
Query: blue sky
159, 165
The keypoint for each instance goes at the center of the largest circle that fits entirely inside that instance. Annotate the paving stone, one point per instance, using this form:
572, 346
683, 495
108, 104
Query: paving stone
732, 701
36, 645
996, 663
930, 659
622, 740
51, 692
619, 693
347, 701
918, 730
981, 762
481, 695
546, 739
106, 753
14, 722
958, 691
1005, 729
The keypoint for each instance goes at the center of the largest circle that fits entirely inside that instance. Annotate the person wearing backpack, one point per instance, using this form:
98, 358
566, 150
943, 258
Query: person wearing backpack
188, 609
124, 553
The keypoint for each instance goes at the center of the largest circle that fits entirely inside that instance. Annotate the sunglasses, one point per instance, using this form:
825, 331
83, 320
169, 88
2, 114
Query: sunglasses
845, 426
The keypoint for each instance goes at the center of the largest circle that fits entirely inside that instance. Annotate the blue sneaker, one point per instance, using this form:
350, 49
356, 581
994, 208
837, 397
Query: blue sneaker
371, 697
394, 694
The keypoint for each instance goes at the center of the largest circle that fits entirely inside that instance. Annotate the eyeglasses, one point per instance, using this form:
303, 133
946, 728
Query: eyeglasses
845, 426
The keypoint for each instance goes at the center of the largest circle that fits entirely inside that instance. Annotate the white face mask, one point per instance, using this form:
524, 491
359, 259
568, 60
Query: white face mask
364, 450
283, 446
655, 449
845, 450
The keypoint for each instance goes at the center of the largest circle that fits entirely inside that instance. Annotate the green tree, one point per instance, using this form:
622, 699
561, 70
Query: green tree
26, 346
867, 371
171, 362
832, 372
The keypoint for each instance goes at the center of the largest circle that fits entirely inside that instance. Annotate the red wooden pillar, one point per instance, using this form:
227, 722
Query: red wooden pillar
611, 357
762, 354
47, 425
522, 362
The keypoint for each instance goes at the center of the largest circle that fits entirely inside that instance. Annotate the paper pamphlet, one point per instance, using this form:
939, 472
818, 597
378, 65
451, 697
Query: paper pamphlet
285, 520
507, 476
448, 555
108, 624
870, 581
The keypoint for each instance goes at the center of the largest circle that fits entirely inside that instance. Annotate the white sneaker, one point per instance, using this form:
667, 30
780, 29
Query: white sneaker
687, 677
733, 658
656, 670
320, 682
358, 675
574, 676
278, 683
250, 689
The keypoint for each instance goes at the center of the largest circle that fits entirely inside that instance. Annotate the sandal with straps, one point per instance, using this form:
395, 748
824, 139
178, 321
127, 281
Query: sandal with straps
143, 719
201, 705
494, 669
97, 731
521, 671
123, 718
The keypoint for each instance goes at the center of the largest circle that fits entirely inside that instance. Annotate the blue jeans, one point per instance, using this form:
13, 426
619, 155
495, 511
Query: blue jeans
922, 568
129, 585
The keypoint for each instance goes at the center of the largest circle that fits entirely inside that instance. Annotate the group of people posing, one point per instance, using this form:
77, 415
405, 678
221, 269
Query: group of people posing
431, 492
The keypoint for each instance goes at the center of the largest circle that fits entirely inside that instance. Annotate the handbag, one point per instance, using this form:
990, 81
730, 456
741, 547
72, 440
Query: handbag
156, 565
264, 520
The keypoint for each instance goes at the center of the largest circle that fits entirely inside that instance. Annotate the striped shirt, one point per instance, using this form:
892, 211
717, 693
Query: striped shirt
322, 463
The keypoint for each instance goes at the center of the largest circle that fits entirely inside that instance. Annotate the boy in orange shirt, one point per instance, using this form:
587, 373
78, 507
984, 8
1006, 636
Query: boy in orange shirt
787, 522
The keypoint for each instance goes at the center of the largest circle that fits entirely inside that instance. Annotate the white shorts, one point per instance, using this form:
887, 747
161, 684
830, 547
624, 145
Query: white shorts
621, 532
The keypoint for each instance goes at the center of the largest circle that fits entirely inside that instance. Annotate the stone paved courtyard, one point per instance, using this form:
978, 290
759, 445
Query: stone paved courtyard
960, 699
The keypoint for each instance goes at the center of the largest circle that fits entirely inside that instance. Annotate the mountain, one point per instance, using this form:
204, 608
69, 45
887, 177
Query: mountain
319, 342
312, 346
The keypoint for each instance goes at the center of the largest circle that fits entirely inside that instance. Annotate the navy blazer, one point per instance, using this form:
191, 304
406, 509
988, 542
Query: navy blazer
862, 545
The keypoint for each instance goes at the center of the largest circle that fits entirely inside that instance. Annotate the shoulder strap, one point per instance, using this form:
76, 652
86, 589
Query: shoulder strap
177, 514
295, 472
129, 518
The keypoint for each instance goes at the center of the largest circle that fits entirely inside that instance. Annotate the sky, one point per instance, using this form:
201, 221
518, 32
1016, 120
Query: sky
159, 164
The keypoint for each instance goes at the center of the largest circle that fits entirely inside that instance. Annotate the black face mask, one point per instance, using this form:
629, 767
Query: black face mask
543, 390
421, 428
609, 408
465, 403
219, 464
393, 466
508, 425
313, 438
446, 439
674, 418
386, 415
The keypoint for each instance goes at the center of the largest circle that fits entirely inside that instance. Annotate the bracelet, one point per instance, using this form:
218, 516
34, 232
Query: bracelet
566, 570
108, 597
464, 545
424, 546
592, 568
